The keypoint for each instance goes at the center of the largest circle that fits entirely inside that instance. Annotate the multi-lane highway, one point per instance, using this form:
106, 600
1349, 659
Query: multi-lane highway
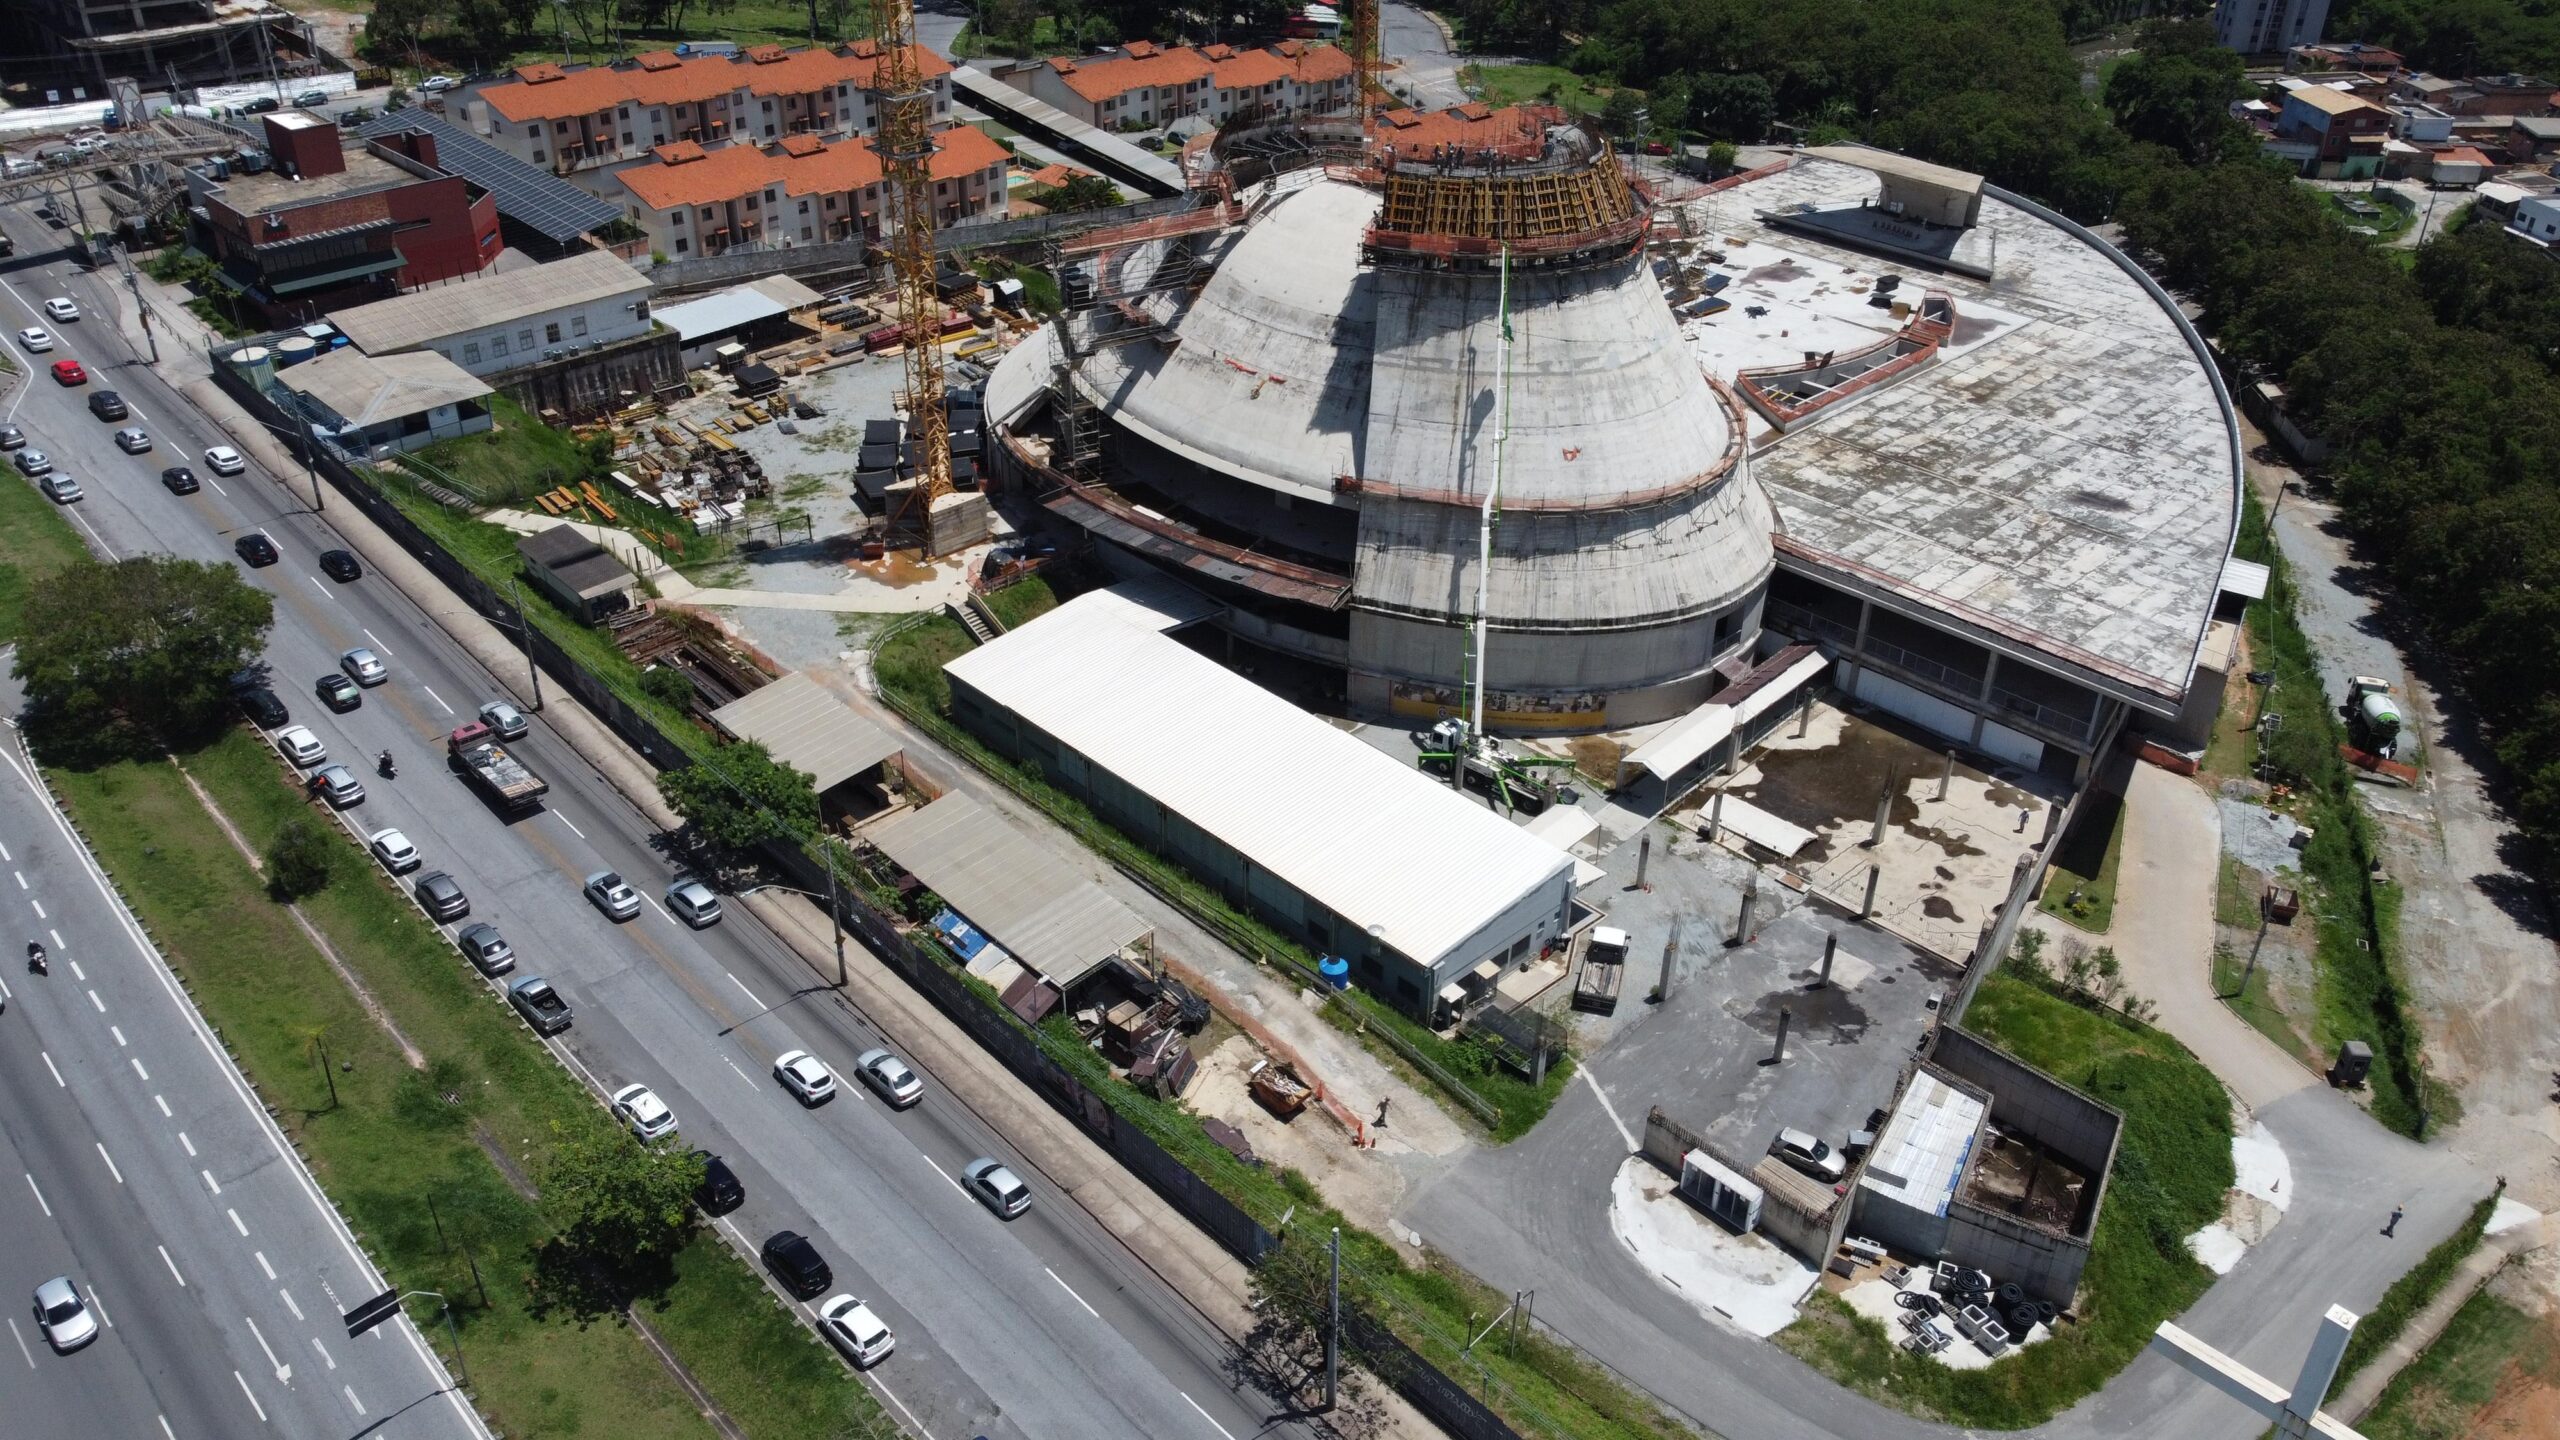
1043, 1326
138, 1164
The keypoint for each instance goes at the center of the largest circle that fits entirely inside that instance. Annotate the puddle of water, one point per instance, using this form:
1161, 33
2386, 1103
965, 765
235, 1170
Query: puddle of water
1939, 907
1832, 791
1782, 270
1817, 1012
898, 569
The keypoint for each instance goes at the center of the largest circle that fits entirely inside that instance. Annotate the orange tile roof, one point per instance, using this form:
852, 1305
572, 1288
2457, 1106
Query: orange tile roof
1049, 177
1249, 71
1102, 79
851, 164
546, 92
1518, 130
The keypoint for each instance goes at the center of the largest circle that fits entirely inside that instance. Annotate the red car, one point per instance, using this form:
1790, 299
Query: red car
69, 372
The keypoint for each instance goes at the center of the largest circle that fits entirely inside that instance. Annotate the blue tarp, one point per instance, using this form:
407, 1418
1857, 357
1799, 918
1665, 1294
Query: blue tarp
963, 937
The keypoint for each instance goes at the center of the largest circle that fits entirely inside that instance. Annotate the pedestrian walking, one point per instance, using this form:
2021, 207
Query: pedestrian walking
1382, 1112
2023, 816
2392, 1224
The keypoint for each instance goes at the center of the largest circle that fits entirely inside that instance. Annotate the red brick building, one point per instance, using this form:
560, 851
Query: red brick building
323, 228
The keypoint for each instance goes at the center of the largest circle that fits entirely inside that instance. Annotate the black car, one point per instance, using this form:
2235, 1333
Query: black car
108, 405
797, 1264
257, 549
442, 895
260, 704
340, 565
720, 1191
180, 480
262, 105
338, 692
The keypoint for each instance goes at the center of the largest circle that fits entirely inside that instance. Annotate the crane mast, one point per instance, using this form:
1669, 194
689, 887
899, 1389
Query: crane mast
904, 142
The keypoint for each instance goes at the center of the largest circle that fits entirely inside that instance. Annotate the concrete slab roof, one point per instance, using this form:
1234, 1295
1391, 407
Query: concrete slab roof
361, 389
2065, 476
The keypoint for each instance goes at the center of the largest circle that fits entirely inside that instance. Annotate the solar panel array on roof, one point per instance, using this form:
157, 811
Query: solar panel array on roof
554, 207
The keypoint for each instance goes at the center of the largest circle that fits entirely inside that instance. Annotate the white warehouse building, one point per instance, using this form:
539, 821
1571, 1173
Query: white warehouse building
1431, 898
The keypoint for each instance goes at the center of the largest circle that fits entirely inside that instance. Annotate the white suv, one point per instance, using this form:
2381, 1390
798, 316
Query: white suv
643, 1112
223, 460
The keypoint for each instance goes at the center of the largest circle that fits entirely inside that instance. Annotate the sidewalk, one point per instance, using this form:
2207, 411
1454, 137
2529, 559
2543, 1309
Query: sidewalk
2163, 934
1208, 1279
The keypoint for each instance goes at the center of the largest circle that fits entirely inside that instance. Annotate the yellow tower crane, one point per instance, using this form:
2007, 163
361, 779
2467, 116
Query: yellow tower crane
905, 145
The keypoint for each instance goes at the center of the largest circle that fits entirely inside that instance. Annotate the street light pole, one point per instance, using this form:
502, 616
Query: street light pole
524, 629
835, 913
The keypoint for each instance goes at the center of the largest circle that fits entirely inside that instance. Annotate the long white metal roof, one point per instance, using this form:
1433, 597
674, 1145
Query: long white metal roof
1376, 842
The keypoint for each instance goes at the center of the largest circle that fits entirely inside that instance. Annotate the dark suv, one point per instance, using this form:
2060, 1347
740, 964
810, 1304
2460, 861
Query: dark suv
260, 704
108, 405
720, 1191
796, 1263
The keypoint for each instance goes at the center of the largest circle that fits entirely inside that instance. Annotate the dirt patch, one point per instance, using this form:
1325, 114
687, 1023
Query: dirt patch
1596, 755
1365, 1187
898, 569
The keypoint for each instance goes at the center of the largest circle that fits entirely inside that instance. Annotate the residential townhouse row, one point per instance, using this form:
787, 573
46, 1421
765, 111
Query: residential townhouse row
1144, 84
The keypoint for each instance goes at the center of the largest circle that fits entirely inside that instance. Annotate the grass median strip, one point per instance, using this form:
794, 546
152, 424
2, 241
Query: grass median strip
35, 541
462, 1134
2172, 1167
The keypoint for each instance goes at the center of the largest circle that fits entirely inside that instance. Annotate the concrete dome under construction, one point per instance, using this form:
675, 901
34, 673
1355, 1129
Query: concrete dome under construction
1296, 402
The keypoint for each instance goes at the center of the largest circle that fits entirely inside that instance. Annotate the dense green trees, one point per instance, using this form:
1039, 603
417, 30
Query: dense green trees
742, 797
2459, 37
129, 658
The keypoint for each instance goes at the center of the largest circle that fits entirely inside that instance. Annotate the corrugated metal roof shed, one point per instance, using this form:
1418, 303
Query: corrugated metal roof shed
1371, 840
423, 317
1921, 1154
725, 310
1023, 896
809, 729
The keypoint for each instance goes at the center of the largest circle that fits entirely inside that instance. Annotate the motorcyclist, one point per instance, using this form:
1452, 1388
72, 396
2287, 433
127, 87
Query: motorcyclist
35, 957
386, 765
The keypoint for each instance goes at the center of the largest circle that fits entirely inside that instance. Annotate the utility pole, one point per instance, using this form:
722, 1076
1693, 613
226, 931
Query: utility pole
1333, 1325
524, 629
133, 281
835, 911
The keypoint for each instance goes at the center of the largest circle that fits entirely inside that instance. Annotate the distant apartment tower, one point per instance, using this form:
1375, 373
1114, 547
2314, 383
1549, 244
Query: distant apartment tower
2269, 27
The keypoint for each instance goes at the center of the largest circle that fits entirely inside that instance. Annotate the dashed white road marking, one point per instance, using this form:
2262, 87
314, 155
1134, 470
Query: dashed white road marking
287, 1297
100, 1306
173, 1266
48, 1064
210, 1182
253, 1396
111, 1166
94, 1000
76, 972
1071, 1292
237, 1224
945, 1174
190, 1144
743, 990
261, 1257
138, 1070
432, 695
39, 909
164, 1428
164, 1108
118, 1032
22, 1343
1205, 1415
316, 585
743, 1075
377, 644
324, 1353
21, 878
572, 824
48, 1210
350, 1392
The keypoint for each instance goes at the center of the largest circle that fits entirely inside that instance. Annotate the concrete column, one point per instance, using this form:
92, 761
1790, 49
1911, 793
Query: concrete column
1868, 907
1644, 858
1786, 1017
1830, 947
1715, 816
1947, 776
1884, 808
1984, 703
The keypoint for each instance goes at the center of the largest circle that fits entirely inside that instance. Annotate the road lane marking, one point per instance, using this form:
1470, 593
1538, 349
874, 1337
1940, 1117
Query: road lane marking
190, 1144
94, 1000
164, 1428
1071, 1292
6, 856
1610, 1110
316, 585
217, 487
324, 1353
76, 972
39, 909
57, 940
901, 1404
138, 1070
22, 1343
164, 1108
572, 824
743, 990
432, 695
732, 1064
111, 1165
285, 1295
284, 1372
100, 1308
1205, 1415
21, 877
377, 644
57, 1075
100, 540
242, 1227
271, 1272
48, 1210
653, 904
173, 1266
945, 1174
350, 1392
253, 1397
118, 1032
209, 1181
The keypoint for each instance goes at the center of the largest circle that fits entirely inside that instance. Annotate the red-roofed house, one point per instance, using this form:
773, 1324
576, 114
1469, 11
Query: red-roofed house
1147, 84
800, 190
582, 122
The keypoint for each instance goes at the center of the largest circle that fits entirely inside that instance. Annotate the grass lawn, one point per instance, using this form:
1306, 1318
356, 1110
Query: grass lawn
390, 1141
2085, 867
2257, 1004
2491, 1350
35, 541
2172, 1167
1500, 85
2387, 226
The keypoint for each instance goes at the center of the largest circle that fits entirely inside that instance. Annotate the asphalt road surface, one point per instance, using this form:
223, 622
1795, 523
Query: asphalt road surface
141, 1166
1044, 1326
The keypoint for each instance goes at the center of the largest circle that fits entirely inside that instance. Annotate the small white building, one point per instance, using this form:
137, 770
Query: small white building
2537, 219
396, 402
508, 320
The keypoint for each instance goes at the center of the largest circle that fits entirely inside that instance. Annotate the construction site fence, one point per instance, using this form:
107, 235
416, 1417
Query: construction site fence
1440, 1399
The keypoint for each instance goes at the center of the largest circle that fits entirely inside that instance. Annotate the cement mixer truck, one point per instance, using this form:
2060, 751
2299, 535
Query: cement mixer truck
2372, 716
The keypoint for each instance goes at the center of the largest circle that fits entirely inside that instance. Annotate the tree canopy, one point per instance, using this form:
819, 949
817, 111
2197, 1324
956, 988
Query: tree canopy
127, 657
742, 797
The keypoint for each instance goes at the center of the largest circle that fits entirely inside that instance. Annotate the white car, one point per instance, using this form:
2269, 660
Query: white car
996, 1187
647, 1116
889, 1077
806, 1076
506, 719
301, 746
223, 460
59, 488
65, 1318
394, 851
613, 895
61, 308
133, 440
36, 338
435, 83
862, 1336
694, 904
364, 667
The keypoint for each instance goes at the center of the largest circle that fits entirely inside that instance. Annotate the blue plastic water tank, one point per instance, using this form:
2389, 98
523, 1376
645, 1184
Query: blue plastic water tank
1336, 971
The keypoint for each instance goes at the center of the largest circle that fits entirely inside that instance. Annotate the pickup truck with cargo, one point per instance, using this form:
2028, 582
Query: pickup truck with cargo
493, 769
